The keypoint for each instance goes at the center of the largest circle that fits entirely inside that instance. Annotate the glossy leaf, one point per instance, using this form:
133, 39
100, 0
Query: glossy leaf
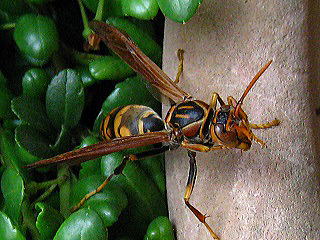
65, 99
160, 229
36, 36
86, 77
109, 68
85, 224
141, 9
35, 82
32, 112
153, 166
5, 101
145, 200
48, 220
91, 4
33, 141
90, 167
25, 156
8, 231
179, 10
12, 188
10, 156
90, 183
108, 204
37, 62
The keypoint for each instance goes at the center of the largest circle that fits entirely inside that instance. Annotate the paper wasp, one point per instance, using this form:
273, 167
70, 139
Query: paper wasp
191, 124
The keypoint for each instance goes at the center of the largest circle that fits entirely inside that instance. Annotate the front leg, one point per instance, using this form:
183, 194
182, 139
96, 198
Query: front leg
200, 147
213, 103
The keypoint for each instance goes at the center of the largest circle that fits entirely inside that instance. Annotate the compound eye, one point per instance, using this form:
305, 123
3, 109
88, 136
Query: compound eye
219, 129
227, 137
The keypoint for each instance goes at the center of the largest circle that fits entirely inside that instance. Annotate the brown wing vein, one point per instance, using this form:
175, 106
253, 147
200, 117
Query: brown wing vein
104, 148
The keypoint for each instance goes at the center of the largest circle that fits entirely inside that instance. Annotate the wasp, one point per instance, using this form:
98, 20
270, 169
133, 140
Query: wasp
189, 123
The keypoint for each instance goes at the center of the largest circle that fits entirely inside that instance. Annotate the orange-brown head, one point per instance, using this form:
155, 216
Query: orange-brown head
230, 126
230, 130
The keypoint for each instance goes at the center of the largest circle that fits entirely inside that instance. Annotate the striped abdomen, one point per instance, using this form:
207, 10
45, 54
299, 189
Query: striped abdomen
130, 120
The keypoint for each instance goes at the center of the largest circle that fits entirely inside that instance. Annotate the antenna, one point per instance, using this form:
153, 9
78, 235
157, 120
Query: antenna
253, 81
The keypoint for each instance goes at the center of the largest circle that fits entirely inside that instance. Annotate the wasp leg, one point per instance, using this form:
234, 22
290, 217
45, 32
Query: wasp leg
200, 147
188, 192
273, 123
119, 170
180, 66
216, 97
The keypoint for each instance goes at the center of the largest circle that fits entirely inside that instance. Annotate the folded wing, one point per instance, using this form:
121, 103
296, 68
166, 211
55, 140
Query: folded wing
126, 49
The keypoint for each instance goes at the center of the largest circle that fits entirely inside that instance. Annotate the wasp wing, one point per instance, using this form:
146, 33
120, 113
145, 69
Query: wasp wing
126, 49
104, 148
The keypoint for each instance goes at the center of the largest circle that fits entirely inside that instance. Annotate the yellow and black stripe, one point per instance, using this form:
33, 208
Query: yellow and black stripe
131, 120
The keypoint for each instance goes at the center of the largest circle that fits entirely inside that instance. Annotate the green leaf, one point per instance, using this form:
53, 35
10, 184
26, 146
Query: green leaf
10, 156
113, 7
33, 141
13, 192
3, 80
160, 229
26, 156
16, 7
32, 111
108, 211
38, 1
90, 167
37, 62
86, 77
84, 224
108, 204
145, 200
8, 231
179, 10
65, 99
35, 82
36, 36
141, 9
5, 101
110, 68
153, 166
48, 220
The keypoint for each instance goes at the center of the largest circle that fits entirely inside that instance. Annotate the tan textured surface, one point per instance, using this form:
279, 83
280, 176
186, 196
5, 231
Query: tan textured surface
270, 193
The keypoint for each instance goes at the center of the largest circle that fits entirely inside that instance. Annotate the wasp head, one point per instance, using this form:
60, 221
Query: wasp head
231, 128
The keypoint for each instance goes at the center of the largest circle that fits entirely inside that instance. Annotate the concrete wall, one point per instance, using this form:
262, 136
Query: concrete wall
270, 193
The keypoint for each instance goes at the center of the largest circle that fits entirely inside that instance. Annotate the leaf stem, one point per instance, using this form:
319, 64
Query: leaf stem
86, 29
84, 58
29, 220
33, 187
60, 139
65, 190
100, 10
45, 194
